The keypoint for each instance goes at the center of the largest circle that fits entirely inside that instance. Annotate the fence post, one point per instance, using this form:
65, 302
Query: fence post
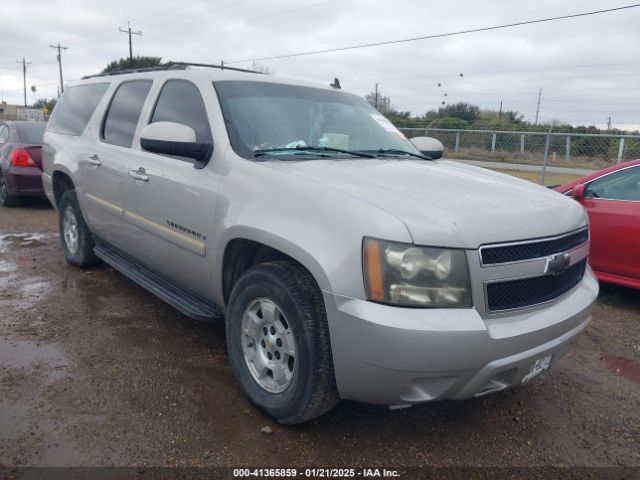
546, 159
621, 151
457, 147
493, 143
567, 151
521, 143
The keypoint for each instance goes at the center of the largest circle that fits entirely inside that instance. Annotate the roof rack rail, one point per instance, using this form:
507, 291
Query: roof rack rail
171, 66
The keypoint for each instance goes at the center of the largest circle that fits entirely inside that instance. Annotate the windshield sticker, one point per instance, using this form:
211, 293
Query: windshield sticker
334, 140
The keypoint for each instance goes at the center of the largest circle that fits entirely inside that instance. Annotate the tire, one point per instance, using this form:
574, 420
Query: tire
311, 389
6, 200
78, 246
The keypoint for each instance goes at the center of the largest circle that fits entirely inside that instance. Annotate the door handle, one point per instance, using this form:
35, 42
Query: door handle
94, 159
140, 174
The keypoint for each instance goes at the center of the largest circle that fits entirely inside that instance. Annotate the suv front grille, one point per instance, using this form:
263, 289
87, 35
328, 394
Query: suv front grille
506, 295
520, 251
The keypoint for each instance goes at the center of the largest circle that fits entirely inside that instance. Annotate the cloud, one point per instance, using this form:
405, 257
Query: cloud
584, 66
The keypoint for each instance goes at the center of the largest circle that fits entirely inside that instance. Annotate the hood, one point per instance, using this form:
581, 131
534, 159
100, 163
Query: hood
445, 203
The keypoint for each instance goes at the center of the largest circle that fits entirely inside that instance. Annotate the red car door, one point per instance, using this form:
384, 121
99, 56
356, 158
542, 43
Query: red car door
615, 236
613, 205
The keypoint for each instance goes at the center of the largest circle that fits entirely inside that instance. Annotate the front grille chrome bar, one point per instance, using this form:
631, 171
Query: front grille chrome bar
511, 252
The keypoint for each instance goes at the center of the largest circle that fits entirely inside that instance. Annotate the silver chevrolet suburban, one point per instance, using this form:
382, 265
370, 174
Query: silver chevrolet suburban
346, 261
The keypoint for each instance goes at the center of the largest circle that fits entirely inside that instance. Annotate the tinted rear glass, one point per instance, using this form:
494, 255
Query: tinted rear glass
77, 104
124, 112
31, 132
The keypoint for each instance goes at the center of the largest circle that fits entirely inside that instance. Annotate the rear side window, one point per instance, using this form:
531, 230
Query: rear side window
180, 101
75, 107
122, 118
4, 133
31, 132
621, 185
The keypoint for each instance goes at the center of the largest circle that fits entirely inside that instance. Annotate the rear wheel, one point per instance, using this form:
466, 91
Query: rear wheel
6, 200
278, 341
77, 242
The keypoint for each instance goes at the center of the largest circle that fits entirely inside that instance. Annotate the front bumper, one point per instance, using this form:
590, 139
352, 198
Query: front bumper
399, 356
24, 181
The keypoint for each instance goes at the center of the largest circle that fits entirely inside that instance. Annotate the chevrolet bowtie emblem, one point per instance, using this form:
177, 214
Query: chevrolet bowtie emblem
557, 263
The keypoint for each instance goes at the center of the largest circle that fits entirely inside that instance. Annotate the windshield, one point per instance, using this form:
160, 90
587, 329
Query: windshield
262, 116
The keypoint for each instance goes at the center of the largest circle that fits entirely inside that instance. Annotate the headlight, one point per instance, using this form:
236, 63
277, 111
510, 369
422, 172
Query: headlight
403, 274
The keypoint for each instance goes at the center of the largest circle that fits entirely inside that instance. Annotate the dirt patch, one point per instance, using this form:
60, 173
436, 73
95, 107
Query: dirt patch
624, 368
96, 371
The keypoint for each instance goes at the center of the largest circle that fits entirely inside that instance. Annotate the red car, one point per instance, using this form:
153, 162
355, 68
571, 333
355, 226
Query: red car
20, 161
611, 198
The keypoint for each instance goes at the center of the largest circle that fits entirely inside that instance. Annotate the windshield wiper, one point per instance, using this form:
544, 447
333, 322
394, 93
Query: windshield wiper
397, 151
311, 149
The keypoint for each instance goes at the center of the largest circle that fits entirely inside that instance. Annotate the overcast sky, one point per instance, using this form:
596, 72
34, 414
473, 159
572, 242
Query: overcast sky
588, 68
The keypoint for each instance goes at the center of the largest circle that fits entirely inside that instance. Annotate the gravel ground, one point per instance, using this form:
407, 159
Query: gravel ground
96, 371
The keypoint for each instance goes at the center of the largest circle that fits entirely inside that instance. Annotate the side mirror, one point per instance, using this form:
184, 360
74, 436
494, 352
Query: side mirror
578, 192
428, 146
171, 138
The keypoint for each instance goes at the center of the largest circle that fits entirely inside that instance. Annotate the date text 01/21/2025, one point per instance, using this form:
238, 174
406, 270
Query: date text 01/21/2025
316, 473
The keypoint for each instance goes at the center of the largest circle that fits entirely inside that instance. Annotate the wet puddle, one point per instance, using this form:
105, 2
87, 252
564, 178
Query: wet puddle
29, 291
14, 241
24, 354
7, 266
31, 288
11, 417
624, 367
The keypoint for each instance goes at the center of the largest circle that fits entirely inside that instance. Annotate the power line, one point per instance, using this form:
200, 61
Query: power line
497, 72
167, 11
439, 35
545, 82
199, 14
269, 15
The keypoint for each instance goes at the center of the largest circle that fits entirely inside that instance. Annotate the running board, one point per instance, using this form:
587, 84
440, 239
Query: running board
178, 297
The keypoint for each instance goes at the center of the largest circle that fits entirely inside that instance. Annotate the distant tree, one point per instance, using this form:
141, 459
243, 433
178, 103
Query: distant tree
259, 67
138, 62
45, 104
451, 122
514, 116
466, 115
382, 103
462, 110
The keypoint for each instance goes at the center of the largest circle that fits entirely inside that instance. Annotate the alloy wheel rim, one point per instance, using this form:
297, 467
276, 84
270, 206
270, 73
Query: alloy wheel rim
70, 230
268, 345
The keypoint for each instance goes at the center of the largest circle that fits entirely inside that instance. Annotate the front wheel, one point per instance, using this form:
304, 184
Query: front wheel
75, 235
278, 342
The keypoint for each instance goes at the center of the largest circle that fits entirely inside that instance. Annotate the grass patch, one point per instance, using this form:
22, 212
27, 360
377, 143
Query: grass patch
549, 179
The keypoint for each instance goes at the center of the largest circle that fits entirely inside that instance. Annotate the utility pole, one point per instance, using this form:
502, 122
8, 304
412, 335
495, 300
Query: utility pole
500, 113
609, 124
538, 107
375, 102
24, 78
59, 48
128, 30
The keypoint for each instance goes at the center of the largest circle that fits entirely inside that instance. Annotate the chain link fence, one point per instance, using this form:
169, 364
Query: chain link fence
590, 151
